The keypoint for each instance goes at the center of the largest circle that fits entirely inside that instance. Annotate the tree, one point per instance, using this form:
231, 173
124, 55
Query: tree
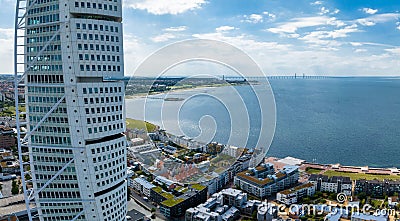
254, 215
153, 210
303, 218
14, 188
362, 196
332, 196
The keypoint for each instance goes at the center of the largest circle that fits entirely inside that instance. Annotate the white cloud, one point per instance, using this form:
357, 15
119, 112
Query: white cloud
175, 29
297, 23
316, 3
270, 15
365, 22
326, 39
6, 50
135, 51
356, 44
277, 59
370, 11
323, 11
395, 51
245, 42
378, 18
253, 18
161, 7
360, 50
336, 11
224, 28
163, 37
293, 35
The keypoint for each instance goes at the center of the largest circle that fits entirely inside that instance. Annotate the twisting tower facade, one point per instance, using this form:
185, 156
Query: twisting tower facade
75, 114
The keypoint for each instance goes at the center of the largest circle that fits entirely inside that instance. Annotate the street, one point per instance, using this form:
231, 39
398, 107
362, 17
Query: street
134, 205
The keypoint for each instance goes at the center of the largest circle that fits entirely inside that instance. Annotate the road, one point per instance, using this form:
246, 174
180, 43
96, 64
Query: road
134, 205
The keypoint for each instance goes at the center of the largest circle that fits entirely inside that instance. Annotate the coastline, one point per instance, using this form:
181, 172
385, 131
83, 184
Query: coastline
336, 169
335, 154
173, 90
323, 167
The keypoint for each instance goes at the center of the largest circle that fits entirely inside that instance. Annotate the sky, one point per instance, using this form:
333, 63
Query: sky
335, 38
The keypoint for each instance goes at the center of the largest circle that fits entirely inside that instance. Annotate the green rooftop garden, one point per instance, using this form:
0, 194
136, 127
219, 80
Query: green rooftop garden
198, 187
181, 189
172, 202
178, 188
157, 189
167, 195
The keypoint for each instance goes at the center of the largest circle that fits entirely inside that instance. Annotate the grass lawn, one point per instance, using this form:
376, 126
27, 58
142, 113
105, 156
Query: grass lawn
356, 176
132, 124
9, 111
313, 170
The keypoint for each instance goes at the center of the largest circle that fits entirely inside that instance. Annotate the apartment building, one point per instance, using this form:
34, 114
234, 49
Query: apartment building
263, 181
335, 184
295, 194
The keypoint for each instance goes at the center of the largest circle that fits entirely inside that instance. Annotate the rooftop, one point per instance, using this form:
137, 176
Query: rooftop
294, 189
144, 183
157, 189
254, 179
172, 202
291, 161
135, 215
198, 187
167, 195
231, 191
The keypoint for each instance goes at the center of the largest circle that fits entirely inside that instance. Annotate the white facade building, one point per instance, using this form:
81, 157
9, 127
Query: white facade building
335, 184
142, 185
262, 181
293, 195
84, 134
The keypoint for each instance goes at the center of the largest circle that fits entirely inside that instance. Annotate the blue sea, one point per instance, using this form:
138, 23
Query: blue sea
351, 121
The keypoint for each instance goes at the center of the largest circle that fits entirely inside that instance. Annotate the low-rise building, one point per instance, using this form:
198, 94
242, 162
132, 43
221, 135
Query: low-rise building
7, 138
9, 167
142, 185
176, 205
293, 195
228, 204
233, 197
262, 181
377, 188
335, 184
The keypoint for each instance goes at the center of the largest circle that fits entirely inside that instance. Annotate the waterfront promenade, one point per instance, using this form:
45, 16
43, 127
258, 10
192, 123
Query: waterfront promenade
336, 169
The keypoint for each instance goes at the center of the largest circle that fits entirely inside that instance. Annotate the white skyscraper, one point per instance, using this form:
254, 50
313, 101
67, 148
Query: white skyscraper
81, 142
